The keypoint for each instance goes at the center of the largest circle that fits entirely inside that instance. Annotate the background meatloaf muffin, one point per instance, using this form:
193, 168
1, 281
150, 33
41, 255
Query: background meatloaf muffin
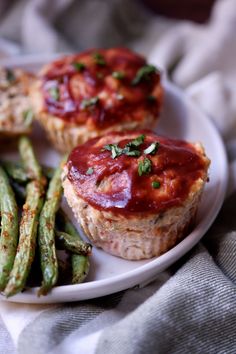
135, 194
87, 95
15, 111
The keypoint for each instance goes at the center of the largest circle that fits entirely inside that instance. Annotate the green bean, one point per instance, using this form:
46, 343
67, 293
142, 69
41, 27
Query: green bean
80, 263
15, 171
47, 248
29, 161
29, 220
72, 244
17, 178
27, 241
80, 268
9, 228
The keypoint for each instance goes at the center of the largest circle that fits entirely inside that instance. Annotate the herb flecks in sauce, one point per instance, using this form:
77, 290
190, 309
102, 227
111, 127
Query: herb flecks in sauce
89, 102
99, 59
144, 166
143, 74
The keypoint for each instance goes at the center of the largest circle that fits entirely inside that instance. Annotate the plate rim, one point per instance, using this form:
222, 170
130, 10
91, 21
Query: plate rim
97, 288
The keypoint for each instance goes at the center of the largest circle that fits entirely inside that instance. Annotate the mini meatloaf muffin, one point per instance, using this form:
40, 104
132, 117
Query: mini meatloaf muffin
15, 111
90, 94
135, 194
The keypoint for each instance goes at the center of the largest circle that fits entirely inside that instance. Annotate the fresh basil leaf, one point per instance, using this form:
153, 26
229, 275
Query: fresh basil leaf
89, 102
79, 66
151, 149
144, 74
119, 75
115, 150
144, 166
135, 153
136, 142
156, 184
99, 59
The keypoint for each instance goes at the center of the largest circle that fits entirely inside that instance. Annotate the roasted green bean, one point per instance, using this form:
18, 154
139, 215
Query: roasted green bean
73, 244
29, 161
80, 268
46, 237
80, 263
29, 220
29, 184
9, 228
27, 241
15, 171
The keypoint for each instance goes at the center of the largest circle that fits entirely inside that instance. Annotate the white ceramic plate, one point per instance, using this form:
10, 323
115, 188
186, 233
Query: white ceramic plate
109, 274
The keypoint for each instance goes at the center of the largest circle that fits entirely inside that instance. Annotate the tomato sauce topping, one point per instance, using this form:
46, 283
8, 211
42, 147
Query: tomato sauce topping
101, 87
152, 181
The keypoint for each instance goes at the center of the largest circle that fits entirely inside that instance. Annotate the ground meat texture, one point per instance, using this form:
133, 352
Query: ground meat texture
128, 211
90, 94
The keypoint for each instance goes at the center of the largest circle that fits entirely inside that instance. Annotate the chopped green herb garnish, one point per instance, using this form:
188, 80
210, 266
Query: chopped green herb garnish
119, 75
10, 76
131, 152
156, 184
28, 116
144, 166
115, 150
151, 98
54, 93
99, 59
130, 149
89, 102
79, 66
144, 74
152, 149
119, 96
136, 142
89, 171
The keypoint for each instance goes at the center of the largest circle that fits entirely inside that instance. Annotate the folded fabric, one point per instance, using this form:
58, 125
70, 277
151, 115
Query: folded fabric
197, 50
190, 52
194, 311
68, 25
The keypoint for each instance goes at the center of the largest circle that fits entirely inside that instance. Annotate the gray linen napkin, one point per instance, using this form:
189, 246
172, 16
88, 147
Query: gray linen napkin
6, 344
192, 311
66, 25
195, 310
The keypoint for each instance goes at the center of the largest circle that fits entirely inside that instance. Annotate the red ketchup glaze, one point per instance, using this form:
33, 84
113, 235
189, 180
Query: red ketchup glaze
176, 165
118, 101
